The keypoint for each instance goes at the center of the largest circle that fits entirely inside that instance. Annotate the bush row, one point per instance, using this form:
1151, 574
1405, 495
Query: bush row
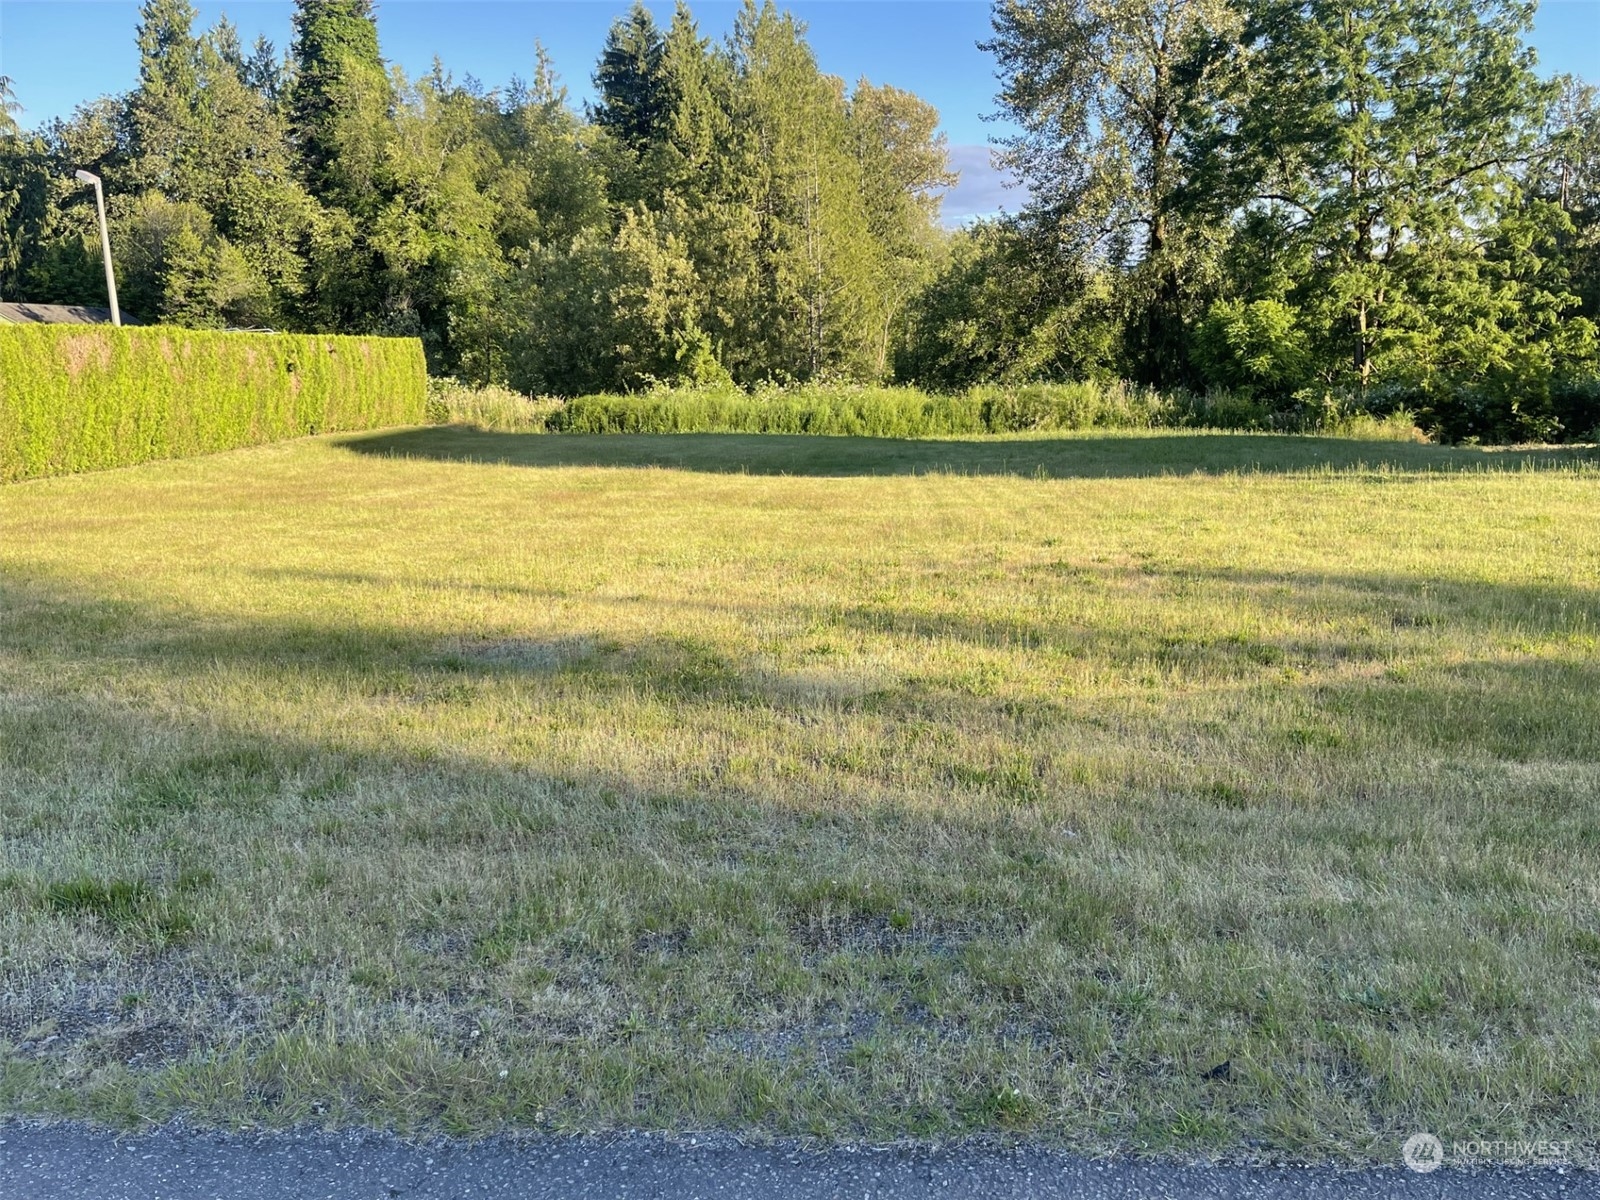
453, 402
83, 398
905, 412
848, 411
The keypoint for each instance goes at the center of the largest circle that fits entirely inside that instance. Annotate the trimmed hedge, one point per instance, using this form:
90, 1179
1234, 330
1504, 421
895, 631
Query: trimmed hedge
84, 398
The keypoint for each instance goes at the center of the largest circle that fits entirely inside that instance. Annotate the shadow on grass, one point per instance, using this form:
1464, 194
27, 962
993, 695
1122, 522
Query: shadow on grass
1308, 598
1516, 709
1090, 456
422, 884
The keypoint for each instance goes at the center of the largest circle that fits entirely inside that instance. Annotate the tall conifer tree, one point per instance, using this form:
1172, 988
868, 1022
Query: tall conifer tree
632, 103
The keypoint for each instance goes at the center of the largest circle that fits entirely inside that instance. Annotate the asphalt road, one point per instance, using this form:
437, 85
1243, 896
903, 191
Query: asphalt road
73, 1162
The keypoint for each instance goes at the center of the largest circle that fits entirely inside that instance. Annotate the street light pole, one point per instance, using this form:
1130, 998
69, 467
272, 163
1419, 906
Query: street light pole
105, 242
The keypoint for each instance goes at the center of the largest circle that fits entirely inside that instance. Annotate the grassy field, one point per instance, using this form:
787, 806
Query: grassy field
1212, 794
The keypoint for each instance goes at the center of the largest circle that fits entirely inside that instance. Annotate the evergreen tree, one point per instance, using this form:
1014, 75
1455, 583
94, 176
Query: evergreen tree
340, 107
201, 135
224, 39
260, 210
161, 113
186, 277
9, 108
628, 80
263, 72
1391, 131
174, 267
167, 44
547, 184
697, 88
13, 170
340, 101
816, 301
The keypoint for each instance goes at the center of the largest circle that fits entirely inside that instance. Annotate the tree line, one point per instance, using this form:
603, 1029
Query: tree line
1377, 202
723, 209
1308, 200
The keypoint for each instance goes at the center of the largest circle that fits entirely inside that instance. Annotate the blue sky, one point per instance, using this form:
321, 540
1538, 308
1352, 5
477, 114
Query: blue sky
63, 52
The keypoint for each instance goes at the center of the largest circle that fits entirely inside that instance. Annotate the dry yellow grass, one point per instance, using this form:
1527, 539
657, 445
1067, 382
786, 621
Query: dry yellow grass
1017, 788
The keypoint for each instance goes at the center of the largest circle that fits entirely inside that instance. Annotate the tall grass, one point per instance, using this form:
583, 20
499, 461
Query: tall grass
862, 411
1120, 405
451, 402
815, 409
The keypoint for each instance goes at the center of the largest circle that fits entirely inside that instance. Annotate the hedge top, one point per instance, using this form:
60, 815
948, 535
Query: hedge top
80, 398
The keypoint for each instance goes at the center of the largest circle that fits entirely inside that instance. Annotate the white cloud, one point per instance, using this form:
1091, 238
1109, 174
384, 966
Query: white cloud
983, 190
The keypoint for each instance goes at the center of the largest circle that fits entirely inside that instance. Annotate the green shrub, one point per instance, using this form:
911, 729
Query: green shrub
988, 408
451, 402
1575, 401
815, 409
1221, 408
84, 398
1398, 426
1080, 405
1257, 347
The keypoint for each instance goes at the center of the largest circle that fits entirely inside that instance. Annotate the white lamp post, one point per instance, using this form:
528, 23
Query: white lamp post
105, 242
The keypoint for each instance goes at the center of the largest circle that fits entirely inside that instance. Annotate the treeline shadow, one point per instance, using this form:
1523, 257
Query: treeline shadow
1107, 456
422, 911
1516, 708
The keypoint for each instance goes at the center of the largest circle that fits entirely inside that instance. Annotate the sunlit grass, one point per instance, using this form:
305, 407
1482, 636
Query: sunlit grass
1019, 786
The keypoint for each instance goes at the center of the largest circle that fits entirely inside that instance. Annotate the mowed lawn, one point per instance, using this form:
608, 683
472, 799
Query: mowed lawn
1195, 793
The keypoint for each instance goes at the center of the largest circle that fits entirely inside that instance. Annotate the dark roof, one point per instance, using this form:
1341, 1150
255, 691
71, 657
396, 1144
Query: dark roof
58, 314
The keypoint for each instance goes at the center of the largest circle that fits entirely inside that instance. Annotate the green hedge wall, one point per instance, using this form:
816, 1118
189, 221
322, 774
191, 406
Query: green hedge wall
83, 398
